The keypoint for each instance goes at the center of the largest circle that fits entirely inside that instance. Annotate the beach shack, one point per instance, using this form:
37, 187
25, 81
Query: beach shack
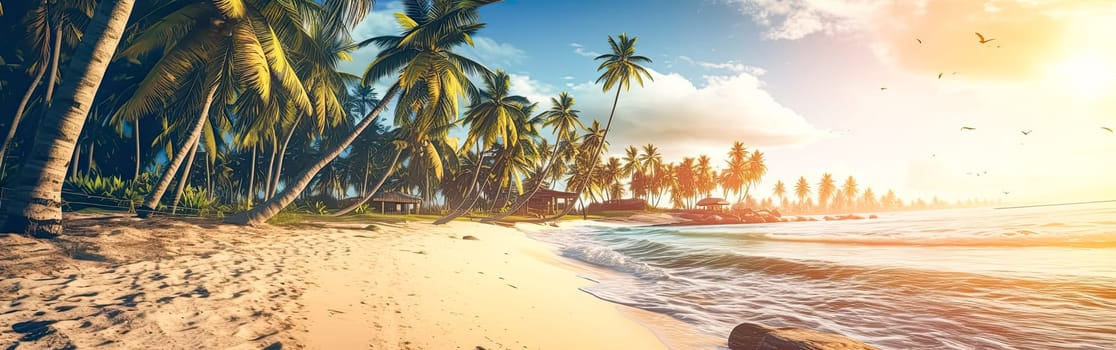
713, 203
396, 202
546, 202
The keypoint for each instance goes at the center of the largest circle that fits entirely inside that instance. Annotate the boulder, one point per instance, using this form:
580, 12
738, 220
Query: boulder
748, 336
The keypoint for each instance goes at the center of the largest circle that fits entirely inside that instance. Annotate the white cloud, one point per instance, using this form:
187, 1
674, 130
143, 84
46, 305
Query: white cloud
691, 118
568, 77
731, 65
492, 53
795, 19
580, 50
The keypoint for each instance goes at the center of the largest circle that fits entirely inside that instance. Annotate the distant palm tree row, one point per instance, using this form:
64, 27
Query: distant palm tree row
693, 178
239, 107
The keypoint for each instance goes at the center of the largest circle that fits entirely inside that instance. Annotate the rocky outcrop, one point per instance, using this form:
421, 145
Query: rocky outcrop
748, 336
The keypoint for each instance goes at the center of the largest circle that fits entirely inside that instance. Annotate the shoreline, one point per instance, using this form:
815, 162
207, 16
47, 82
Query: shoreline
198, 284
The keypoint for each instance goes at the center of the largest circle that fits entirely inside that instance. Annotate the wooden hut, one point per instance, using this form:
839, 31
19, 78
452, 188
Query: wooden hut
396, 202
546, 202
713, 203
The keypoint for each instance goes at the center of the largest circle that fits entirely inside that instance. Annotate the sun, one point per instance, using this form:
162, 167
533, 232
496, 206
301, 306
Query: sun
1085, 75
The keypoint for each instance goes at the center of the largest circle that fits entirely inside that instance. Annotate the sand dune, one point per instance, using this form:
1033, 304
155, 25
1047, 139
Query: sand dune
171, 284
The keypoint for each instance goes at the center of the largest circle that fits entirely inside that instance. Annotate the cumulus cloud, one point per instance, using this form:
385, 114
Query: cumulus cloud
691, 118
795, 19
492, 53
731, 65
581, 50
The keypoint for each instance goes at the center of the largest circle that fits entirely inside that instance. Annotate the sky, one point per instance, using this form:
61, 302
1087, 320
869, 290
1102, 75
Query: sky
875, 89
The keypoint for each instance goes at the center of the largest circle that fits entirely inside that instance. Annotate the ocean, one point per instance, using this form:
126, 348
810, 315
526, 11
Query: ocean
1037, 278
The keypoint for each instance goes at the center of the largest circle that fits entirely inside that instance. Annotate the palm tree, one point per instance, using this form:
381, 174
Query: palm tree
227, 50
706, 177
756, 170
35, 207
802, 191
735, 177
565, 122
620, 68
850, 191
495, 115
868, 199
431, 77
781, 192
826, 189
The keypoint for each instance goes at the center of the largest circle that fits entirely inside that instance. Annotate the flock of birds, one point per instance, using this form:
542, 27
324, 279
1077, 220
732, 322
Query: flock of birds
982, 41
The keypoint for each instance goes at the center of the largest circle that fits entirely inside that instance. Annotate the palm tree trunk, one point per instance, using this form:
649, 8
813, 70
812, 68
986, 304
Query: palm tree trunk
367, 169
35, 207
596, 157
152, 201
266, 210
19, 113
458, 211
270, 170
522, 200
252, 178
52, 79
368, 195
136, 135
89, 163
282, 154
75, 160
185, 178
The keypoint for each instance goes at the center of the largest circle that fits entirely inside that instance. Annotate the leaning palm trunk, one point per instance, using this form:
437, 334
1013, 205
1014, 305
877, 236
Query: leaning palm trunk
184, 179
279, 164
461, 207
184, 148
369, 194
52, 79
268, 209
35, 207
522, 200
593, 164
19, 112
252, 178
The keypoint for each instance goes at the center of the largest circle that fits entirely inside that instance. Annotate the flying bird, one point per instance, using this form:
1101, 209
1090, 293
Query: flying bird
919, 40
940, 75
883, 89
966, 128
1006, 192
982, 40
1106, 128
1026, 132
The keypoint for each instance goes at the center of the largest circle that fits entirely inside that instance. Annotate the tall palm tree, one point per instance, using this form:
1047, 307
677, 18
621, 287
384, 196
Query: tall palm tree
826, 189
868, 199
780, 191
735, 177
495, 115
430, 76
565, 122
706, 177
35, 207
620, 67
232, 50
850, 190
756, 170
802, 191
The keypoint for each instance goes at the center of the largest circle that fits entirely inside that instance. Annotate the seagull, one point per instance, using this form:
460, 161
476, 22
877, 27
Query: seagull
883, 89
1106, 128
1006, 192
919, 40
982, 40
940, 75
1026, 132
966, 128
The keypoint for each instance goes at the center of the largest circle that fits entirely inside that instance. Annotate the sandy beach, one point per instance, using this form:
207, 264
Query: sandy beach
175, 284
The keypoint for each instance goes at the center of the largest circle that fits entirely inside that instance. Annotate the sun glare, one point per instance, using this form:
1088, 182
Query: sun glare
1085, 75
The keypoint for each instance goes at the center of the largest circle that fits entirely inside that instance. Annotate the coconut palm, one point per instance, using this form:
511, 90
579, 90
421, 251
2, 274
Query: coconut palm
850, 190
35, 207
780, 191
756, 170
802, 191
706, 176
620, 67
565, 122
226, 49
494, 116
431, 79
826, 189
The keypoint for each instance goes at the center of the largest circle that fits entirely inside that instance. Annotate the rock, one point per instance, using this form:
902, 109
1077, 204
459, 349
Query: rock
749, 336
372, 228
873, 216
470, 238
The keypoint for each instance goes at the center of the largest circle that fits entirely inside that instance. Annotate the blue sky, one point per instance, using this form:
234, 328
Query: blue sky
801, 81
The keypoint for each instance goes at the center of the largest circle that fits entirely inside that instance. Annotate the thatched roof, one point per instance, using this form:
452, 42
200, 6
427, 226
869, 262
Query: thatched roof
396, 197
712, 201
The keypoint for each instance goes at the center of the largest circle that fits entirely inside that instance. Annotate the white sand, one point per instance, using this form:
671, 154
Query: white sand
170, 284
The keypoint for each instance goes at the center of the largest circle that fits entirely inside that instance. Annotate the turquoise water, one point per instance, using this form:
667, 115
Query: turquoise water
1042, 278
